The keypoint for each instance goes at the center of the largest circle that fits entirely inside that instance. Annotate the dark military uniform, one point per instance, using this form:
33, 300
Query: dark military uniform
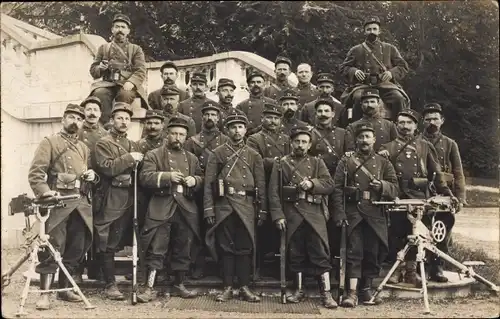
306, 92
288, 122
226, 109
192, 106
328, 144
129, 59
385, 131
154, 98
58, 164
275, 90
287, 125
241, 171
253, 108
359, 58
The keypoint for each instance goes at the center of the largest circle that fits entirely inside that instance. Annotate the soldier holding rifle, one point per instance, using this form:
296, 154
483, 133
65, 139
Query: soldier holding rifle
305, 181
60, 165
369, 177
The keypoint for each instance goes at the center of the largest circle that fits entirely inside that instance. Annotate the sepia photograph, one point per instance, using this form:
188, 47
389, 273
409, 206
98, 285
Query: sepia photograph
250, 159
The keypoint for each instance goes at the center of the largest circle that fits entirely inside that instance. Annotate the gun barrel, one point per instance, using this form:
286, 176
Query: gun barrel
55, 199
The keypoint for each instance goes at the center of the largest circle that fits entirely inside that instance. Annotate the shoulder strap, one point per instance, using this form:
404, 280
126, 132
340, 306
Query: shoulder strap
58, 156
107, 49
362, 167
374, 57
130, 53
402, 149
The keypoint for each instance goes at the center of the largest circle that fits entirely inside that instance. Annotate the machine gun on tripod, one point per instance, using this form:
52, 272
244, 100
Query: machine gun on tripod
40, 208
425, 239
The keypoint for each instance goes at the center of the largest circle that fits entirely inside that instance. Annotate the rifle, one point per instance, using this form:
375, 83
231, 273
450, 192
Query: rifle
343, 249
282, 242
435, 204
134, 242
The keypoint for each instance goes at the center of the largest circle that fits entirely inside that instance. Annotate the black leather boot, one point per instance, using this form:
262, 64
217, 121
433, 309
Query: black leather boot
179, 288
226, 295
298, 294
148, 294
351, 300
69, 295
45, 282
366, 292
111, 290
436, 270
247, 295
326, 296
411, 274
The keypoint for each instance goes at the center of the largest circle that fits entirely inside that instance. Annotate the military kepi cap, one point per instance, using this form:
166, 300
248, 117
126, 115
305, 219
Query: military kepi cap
282, 59
300, 130
178, 122
169, 90
364, 127
236, 118
432, 107
254, 75
325, 101
369, 93
371, 20
91, 99
325, 77
289, 94
74, 108
122, 106
271, 108
210, 105
226, 82
123, 18
154, 114
410, 113
199, 77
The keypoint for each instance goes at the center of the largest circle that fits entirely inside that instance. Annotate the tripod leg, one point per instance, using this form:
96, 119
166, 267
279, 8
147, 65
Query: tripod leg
24, 295
420, 258
14, 268
58, 259
401, 256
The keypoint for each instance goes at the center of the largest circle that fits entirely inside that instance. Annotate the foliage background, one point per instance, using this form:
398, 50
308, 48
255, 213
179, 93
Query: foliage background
451, 46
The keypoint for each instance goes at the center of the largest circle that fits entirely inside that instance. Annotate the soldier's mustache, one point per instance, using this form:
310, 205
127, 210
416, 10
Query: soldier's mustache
198, 90
92, 116
123, 126
323, 117
168, 81
289, 114
72, 127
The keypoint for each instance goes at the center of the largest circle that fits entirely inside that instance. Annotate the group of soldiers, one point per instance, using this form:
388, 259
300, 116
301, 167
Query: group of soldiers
216, 178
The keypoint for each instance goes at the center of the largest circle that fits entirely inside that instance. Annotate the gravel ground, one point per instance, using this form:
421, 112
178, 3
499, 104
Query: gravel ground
479, 306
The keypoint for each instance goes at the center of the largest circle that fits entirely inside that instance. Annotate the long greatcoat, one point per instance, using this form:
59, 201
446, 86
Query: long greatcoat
154, 98
202, 144
113, 160
191, 107
253, 108
294, 170
242, 178
269, 145
355, 212
165, 201
61, 153
136, 74
385, 131
329, 144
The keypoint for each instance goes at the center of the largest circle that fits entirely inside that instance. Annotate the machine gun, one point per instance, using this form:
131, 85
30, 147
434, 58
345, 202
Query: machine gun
425, 240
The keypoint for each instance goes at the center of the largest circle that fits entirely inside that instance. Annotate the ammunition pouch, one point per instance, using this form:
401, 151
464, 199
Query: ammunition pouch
117, 71
67, 181
122, 180
290, 193
419, 183
218, 189
352, 194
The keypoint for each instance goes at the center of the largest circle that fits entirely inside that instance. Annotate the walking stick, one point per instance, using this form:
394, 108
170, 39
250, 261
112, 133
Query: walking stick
282, 242
135, 225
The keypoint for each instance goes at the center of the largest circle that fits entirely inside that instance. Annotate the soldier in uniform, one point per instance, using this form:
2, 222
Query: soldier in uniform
170, 104
376, 64
117, 157
385, 130
169, 74
202, 145
306, 91
192, 106
225, 91
414, 160
448, 157
271, 144
153, 125
89, 134
254, 105
122, 67
369, 177
289, 107
235, 188
282, 69
298, 206
60, 166
174, 175
326, 84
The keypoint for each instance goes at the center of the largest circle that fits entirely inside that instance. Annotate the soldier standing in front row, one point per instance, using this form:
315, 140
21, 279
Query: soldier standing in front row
235, 188
369, 177
117, 157
60, 165
202, 145
172, 219
298, 206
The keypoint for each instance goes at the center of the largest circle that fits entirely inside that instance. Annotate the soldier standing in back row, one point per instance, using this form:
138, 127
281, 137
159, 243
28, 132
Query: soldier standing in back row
326, 84
202, 145
59, 166
169, 74
192, 106
235, 188
298, 206
117, 157
289, 107
122, 67
369, 177
174, 175
225, 91
282, 69
306, 91
170, 106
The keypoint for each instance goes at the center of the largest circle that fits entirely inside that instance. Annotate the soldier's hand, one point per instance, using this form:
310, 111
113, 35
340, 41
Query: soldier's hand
137, 156
50, 194
306, 185
176, 177
89, 175
384, 153
386, 76
128, 86
341, 222
376, 184
104, 65
280, 224
360, 75
190, 181
210, 220
348, 154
